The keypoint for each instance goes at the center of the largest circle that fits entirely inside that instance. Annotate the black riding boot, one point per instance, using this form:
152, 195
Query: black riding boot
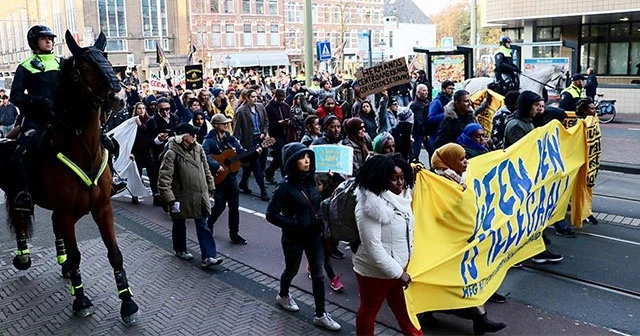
23, 201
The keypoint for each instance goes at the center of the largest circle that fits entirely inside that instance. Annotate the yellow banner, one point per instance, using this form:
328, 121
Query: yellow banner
485, 118
465, 241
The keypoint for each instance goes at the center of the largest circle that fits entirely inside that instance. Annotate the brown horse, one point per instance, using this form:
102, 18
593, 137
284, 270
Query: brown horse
70, 175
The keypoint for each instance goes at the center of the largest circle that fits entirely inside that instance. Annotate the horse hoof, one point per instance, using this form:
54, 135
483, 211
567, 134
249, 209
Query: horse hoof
130, 320
82, 307
135, 200
66, 270
22, 262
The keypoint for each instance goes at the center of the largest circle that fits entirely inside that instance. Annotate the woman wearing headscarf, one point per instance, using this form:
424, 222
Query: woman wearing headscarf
203, 125
450, 161
473, 140
359, 140
383, 143
221, 104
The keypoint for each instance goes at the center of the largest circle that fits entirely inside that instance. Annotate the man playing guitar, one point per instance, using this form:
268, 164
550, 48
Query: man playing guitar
215, 143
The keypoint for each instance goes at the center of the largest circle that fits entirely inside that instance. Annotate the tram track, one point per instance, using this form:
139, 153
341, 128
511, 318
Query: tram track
581, 281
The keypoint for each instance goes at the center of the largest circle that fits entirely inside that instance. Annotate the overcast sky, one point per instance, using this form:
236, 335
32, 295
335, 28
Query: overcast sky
431, 7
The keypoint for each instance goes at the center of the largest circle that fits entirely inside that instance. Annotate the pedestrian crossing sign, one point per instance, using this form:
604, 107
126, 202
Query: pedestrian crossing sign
323, 50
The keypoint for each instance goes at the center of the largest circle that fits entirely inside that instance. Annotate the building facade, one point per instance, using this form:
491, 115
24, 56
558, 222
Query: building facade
335, 21
238, 33
131, 27
607, 34
406, 26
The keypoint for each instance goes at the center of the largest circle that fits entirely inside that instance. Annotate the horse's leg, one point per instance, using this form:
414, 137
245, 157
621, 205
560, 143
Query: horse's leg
61, 252
103, 216
20, 223
64, 224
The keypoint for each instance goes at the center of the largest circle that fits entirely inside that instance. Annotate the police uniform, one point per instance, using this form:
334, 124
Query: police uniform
505, 66
569, 97
39, 76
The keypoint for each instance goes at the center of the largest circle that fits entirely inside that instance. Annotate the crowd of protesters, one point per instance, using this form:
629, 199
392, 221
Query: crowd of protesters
256, 116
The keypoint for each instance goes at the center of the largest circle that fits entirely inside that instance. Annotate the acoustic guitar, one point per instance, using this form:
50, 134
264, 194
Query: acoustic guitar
231, 161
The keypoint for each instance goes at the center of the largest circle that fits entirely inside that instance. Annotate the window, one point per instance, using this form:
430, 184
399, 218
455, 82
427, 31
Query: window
9, 28
275, 35
230, 32
273, 7
514, 33
259, 6
57, 19
261, 38
214, 6
543, 34
290, 12
246, 29
3, 39
69, 5
17, 36
150, 17
300, 12
228, 6
611, 49
314, 13
246, 6
113, 22
216, 36
290, 38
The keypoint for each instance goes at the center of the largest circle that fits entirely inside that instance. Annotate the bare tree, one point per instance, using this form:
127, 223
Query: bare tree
344, 11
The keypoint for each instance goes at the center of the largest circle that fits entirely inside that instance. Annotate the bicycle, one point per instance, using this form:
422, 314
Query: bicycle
606, 109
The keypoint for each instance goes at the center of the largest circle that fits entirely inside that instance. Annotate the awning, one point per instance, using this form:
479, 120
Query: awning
273, 59
262, 59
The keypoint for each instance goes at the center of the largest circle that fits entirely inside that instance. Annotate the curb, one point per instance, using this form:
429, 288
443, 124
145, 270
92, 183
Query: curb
620, 167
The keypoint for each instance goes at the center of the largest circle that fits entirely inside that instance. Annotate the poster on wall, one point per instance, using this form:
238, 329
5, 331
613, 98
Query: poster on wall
446, 67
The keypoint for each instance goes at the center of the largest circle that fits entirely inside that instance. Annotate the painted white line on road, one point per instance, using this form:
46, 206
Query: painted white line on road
633, 129
249, 211
611, 238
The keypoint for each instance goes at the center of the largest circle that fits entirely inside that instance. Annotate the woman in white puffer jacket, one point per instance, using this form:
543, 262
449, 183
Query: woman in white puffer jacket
385, 223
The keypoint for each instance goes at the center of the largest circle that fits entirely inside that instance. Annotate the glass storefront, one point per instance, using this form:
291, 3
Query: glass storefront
611, 48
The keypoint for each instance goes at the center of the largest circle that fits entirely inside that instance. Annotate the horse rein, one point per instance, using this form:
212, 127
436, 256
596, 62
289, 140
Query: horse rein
545, 84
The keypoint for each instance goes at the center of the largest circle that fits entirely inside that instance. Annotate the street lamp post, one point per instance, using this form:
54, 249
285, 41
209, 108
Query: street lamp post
382, 44
228, 59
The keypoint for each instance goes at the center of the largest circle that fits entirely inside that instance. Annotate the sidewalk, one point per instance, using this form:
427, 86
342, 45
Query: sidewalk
175, 297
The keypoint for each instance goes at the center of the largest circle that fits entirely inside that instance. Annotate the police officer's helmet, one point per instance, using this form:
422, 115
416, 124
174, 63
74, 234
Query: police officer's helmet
35, 32
505, 39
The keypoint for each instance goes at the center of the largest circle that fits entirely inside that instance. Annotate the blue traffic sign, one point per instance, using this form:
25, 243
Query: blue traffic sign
323, 51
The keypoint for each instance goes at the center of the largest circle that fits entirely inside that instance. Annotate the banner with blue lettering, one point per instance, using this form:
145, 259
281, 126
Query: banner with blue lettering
465, 241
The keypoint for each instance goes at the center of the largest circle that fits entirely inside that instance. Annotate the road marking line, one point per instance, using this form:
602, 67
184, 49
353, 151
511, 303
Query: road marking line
610, 238
633, 129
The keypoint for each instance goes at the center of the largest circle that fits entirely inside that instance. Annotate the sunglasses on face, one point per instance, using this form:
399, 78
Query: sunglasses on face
164, 109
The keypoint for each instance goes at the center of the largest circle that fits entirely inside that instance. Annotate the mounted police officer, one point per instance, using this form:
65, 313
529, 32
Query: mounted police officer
39, 76
506, 71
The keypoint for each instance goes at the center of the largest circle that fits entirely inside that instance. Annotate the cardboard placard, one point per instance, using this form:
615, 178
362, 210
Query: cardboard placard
334, 158
388, 74
158, 85
194, 76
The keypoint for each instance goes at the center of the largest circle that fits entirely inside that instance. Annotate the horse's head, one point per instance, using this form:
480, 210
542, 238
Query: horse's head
92, 74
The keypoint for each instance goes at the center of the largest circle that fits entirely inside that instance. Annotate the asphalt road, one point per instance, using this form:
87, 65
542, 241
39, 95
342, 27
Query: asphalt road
539, 303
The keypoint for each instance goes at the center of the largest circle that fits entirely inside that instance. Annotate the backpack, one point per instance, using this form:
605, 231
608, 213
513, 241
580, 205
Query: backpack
338, 215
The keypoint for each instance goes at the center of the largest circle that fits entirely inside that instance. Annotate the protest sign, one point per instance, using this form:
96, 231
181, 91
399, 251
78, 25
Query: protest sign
388, 74
465, 241
485, 117
194, 76
158, 85
334, 158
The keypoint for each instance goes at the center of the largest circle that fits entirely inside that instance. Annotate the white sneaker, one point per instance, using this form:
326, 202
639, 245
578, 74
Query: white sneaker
210, 261
326, 322
287, 303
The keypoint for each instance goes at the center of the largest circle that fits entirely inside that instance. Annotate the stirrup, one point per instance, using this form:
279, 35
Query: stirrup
23, 202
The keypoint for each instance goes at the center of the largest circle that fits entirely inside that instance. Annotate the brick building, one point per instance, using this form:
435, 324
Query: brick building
131, 28
238, 33
330, 18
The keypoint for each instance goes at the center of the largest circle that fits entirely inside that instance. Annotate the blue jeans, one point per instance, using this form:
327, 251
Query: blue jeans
205, 237
402, 100
255, 165
227, 192
293, 247
416, 147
